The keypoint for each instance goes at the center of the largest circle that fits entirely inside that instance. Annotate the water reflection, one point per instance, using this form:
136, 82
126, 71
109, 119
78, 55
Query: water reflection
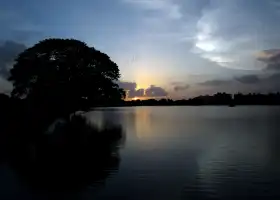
76, 156
170, 153
198, 153
143, 122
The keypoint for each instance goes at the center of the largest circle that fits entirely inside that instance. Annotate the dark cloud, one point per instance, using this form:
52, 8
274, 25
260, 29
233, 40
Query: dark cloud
136, 93
250, 83
272, 82
8, 52
248, 79
154, 91
273, 67
271, 58
130, 87
215, 82
274, 77
175, 83
5, 86
270, 55
127, 85
181, 87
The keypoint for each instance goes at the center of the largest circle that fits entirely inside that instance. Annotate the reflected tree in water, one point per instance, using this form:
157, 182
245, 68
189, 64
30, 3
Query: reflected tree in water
75, 155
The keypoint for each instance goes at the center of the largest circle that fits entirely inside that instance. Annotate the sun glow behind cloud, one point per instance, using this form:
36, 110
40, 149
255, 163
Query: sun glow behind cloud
206, 46
168, 40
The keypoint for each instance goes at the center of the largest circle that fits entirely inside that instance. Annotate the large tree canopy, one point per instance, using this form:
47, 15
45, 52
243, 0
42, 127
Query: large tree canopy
65, 73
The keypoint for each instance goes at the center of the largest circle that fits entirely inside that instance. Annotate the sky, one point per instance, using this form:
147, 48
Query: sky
164, 48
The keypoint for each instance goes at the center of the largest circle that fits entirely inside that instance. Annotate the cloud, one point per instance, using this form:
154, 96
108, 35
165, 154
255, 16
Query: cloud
152, 91
274, 78
272, 83
127, 85
229, 32
222, 34
262, 83
271, 58
5, 86
130, 87
215, 82
181, 87
161, 21
245, 79
175, 83
136, 93
8, 52
167, 8
248, 79
273, 67
268, 56
220, 60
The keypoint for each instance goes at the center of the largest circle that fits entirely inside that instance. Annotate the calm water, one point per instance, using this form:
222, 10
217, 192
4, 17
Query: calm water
190, 153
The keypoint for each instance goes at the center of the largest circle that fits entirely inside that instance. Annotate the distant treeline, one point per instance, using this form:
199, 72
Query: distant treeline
216, 99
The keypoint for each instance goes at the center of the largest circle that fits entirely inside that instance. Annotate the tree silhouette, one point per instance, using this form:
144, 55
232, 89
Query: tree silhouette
64, 75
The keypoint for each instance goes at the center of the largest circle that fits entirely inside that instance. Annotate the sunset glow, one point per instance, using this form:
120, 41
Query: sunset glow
181, 48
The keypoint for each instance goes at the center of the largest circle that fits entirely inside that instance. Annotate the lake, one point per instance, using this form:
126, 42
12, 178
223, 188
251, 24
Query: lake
190, 152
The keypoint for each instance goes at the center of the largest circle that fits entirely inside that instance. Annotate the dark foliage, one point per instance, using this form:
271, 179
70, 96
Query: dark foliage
216, 99
75, 155
52, 80
72, 156
257, 99
64, 75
